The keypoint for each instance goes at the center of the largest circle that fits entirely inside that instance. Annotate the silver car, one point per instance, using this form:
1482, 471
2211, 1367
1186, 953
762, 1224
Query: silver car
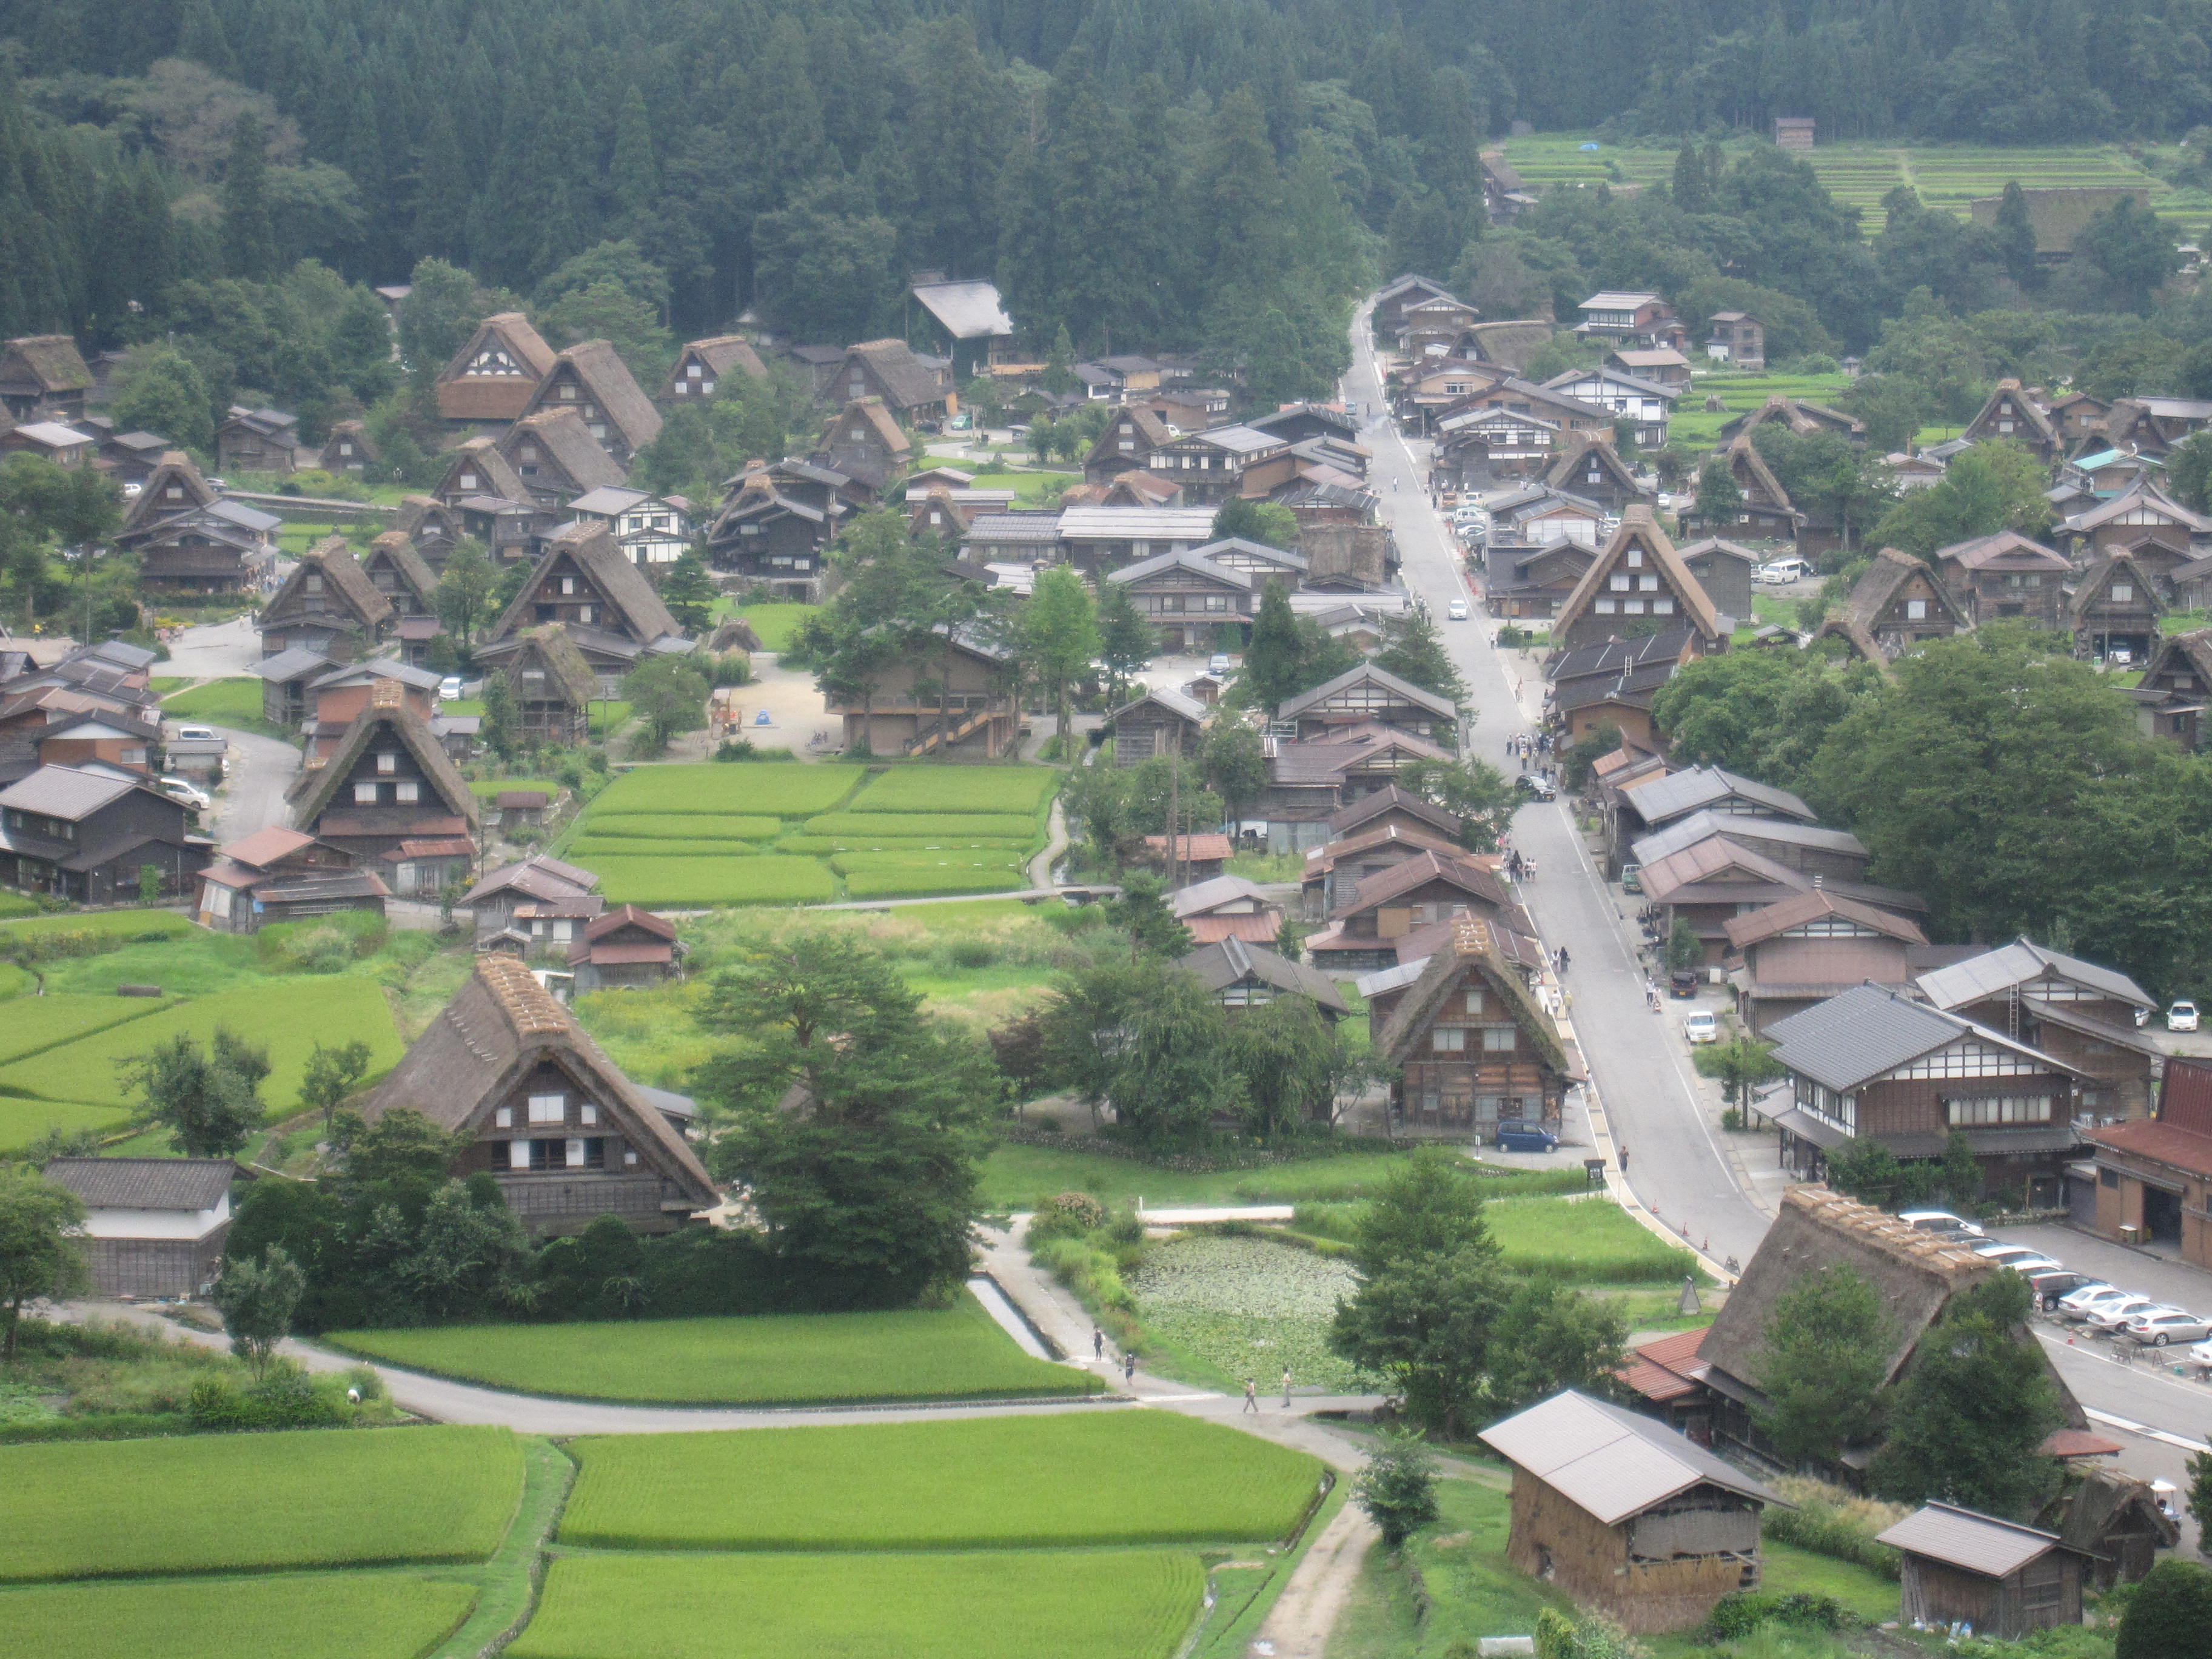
2156, 1329
2090, 1299
2114, 1316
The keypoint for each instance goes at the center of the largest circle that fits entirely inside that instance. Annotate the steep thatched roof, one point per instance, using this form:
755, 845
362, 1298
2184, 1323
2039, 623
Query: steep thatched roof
606, 378
396, 549
387, 715
551, 643
641, 616
1474, 949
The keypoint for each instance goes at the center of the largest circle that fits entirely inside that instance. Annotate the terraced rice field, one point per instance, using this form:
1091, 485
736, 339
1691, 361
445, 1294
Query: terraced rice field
1860, 173
1143, 1477
323, 1615
956, 1352
251, 1502
1123, 1604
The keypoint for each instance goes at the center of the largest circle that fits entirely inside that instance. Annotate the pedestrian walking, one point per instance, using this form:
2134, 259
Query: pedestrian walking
1286, 1388
1097, 1343
1563, 959
1251, 1399
1128, 1366
1624, 1160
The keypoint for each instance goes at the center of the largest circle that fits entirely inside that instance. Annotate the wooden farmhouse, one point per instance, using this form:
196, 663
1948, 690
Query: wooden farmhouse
1308, 781
1392, 806
2007, 1581
2142, 511
87, 836
553, 453
1332, 872
1491, 448
396, 570
610, 609
1737, 339
553, 687
2154, 1175
2176, 689
1190, 600
625, 948
1916, 1273
1410, 894
2013, 415
703, 365
1473, 1046
1399, 296
775, 526
1624, 1515
1718, 879
543, 1111
1647, 404
1367, 694
2080, 1011
44, 377
189, 537
348, 449
1638, 582
153, 1226
1193, 858
49, 441
277, 874
1243, 974
120, 741
2006, 575
2115, 609
1595, 472
389, 782
337, 697
1226, 907
1126, 443
258, 441
1837, 855
1223, 462
863, 441
591, 380
1872, 1064
1723, 569
488, 384
1158, 723
1810, 947
1638, 807
1800, 417
957, 698
327, 605
1897, 605
1527, 583
554, 891
2113, 1518
916, 389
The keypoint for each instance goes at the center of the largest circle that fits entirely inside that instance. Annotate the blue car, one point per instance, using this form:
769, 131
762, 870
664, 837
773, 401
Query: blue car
1520, 1137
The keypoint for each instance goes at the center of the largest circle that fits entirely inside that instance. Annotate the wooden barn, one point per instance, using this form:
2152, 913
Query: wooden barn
1624, 1515
2004, 1579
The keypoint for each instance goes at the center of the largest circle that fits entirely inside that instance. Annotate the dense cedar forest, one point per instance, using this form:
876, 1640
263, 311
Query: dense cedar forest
1185, 172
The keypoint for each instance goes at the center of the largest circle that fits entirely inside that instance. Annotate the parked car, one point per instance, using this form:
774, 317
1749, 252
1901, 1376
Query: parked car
185, 790
2057, 1282
2078, 1305
2156, 1329
2182, 1017
2201, 1354
1631, 878
1518, 1135
449, 687
1683, 982
1218, 663
2119, 657
1781, 571
1939, 1221
1702, 1025
1455, 611
2114, 1316
1535, 788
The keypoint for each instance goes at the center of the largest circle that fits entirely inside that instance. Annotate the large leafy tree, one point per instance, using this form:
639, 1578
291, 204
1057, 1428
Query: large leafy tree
1060, 639
1994, 486
40, 1255
208, 1100
668, 695
859, 1122
1146, 1041
1824, 1363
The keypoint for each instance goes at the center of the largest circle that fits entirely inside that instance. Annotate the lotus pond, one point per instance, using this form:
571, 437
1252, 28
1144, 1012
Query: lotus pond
1248, 1308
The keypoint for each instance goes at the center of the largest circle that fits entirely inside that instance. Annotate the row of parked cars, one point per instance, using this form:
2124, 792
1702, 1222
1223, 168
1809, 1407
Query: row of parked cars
2078, 1298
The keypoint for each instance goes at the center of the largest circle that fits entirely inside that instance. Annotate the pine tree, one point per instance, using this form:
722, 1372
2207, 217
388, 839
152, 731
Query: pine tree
1415, 653
2015, 237
1689, 193
200, 38
633, 175
441, 189
1125, 639
1273, 664
249, 245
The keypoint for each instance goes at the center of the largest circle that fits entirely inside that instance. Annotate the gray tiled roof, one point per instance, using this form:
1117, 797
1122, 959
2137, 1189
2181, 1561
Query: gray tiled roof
65, 792
1963, 1538
144, 1183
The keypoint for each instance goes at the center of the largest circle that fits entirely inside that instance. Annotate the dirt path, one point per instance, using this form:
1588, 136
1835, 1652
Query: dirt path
1299, 1624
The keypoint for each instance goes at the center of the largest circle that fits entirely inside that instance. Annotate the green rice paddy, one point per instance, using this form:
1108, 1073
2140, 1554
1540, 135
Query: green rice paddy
910, 824
681, 883
953, 1353
1144, 1478
787, 789
323, 1615
959, 789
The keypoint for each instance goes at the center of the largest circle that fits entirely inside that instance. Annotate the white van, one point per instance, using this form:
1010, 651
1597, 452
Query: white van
1784, 571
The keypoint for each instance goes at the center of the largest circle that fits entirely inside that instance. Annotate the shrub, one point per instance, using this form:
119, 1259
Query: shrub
321, 945
1829, 1521
2169, 1614
1081, 1207
1745, 1611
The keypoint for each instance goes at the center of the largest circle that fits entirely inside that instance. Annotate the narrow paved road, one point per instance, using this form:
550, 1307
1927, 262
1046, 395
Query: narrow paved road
1677, 1167
253, 798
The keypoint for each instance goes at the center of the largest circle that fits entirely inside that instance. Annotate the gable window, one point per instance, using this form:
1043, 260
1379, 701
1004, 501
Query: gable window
1606, 607
530, 451
568, 586
1474, 1002
468, 480
1662, 607
1620, 584
2122, 592
1916, 610
548, 1108
567, 391
1499, 1039
364, 795
409, 790
1647, 584
314, 584
1449, 1040
1633, 607
1635, 558
503, 1117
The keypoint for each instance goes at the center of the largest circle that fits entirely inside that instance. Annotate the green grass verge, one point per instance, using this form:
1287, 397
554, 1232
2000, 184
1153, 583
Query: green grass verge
323, 1615
208, 1503
37, 1022
1586, 1241
926, 883
509, 1581
785, 789
220, 702
776, 624
959, 789
1107, 1478
910, 825
1119, 1604
485, 788
131, 924
14, 981
953, 1353
678, 826
1790, 1570
767, 878
289, 1016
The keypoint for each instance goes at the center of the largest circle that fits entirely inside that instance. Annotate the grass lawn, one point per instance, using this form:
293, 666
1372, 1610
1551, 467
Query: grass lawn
1789, 1571
22, 1122
959, 789
909, 825
955, 1353
762, 879
134, 924
776, 624
289, 1016
1121, 1604
785, 789
323, 1615
486, 788
37, 1022
1030, 487
1586, 1241
1105, 1478
202, 1502
1473, 1590
1016, 1176
220, 702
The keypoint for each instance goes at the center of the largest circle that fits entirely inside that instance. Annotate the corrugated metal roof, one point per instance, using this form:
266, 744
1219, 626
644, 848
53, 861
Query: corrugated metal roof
1866, 1031
1226, 575
291, 664
2015, 965
1160, 523
1611, 1462
1389, 979
1201, 897
1743, 827
969, 311
1680, 792
1963, 1538
1368, 673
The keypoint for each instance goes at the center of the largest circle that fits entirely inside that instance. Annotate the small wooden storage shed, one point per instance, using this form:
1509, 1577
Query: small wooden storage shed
2004, 1579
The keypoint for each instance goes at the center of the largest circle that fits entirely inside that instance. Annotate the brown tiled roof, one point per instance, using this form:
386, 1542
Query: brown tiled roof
1667, 1368
265, 846
570, 446
501, 1022
1346, 819
1387, 884
1322, 860
1775, 919
607, 379
2163, 1143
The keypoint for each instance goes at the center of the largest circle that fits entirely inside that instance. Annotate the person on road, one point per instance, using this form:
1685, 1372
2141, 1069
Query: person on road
1128, 1366
1251, 1399
1286, 1388
1097, 1343
1563, 959
1624, 1160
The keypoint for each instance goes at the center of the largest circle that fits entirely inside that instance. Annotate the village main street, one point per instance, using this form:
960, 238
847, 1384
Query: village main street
1717, 1197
